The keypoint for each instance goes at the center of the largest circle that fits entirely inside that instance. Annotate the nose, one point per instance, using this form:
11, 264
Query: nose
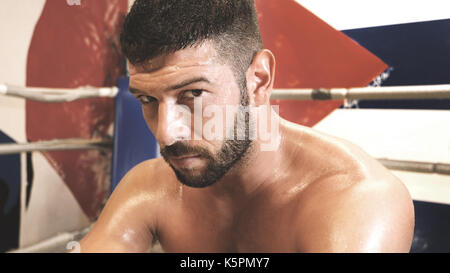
172, 124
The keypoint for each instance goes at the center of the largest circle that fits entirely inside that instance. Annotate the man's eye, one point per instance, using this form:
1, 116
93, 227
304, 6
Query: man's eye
190, 94
146, 99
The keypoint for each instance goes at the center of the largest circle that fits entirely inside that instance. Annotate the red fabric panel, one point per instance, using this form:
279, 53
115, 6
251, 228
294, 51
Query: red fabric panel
311, 54
76, 45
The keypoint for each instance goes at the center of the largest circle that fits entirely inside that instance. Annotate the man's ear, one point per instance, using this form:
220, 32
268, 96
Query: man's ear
260, 77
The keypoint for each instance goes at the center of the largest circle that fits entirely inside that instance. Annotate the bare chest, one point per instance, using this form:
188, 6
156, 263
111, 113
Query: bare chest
258, 227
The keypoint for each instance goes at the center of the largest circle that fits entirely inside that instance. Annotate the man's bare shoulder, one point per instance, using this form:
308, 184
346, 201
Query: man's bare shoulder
150, 186
345, 212
349, 201
129, 220
150, 176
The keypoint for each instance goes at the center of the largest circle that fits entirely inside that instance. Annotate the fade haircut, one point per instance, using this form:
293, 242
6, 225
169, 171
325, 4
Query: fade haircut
159, 27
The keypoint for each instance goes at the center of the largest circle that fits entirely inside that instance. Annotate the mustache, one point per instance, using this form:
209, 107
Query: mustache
180, 148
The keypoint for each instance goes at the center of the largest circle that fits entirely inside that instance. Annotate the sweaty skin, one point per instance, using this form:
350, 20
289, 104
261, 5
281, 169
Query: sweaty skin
312, 193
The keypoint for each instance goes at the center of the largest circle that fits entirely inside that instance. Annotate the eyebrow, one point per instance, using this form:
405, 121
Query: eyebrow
187, 82
176, 86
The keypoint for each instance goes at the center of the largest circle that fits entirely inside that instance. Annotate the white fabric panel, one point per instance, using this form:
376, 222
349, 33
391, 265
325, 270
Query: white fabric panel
52, 208
18, 19
414, 135
351, 14
417, 135
426, 187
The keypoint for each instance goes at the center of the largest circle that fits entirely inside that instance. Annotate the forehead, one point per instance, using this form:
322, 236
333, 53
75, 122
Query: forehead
199, 56
169, 72
166, 71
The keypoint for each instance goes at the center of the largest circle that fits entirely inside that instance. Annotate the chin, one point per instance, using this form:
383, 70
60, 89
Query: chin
196, 183
194, 179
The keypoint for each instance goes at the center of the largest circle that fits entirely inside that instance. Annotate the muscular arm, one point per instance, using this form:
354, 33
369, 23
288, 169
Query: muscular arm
368, 216
127, 221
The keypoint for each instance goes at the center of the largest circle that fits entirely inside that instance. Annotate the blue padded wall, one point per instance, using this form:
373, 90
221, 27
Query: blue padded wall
133, 141
10, 177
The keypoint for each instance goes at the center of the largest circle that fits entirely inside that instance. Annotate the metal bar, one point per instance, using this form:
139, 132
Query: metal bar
55, 145
441, 91
414, 166
44, 94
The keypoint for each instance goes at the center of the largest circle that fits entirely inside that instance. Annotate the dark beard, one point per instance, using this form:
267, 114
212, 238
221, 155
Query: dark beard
231, 152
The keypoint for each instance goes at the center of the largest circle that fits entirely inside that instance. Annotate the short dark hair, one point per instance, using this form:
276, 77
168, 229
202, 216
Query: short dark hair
156, 27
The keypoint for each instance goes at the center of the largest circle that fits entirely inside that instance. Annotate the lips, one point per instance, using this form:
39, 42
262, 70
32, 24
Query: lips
185, 160
185, 157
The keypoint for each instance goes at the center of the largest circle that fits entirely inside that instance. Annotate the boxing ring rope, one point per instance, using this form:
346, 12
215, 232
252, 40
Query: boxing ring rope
414, 166
44, 94
55, 244
440, 91
57, 144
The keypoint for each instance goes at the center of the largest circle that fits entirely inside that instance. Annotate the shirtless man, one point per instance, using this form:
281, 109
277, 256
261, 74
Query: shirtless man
310, 193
